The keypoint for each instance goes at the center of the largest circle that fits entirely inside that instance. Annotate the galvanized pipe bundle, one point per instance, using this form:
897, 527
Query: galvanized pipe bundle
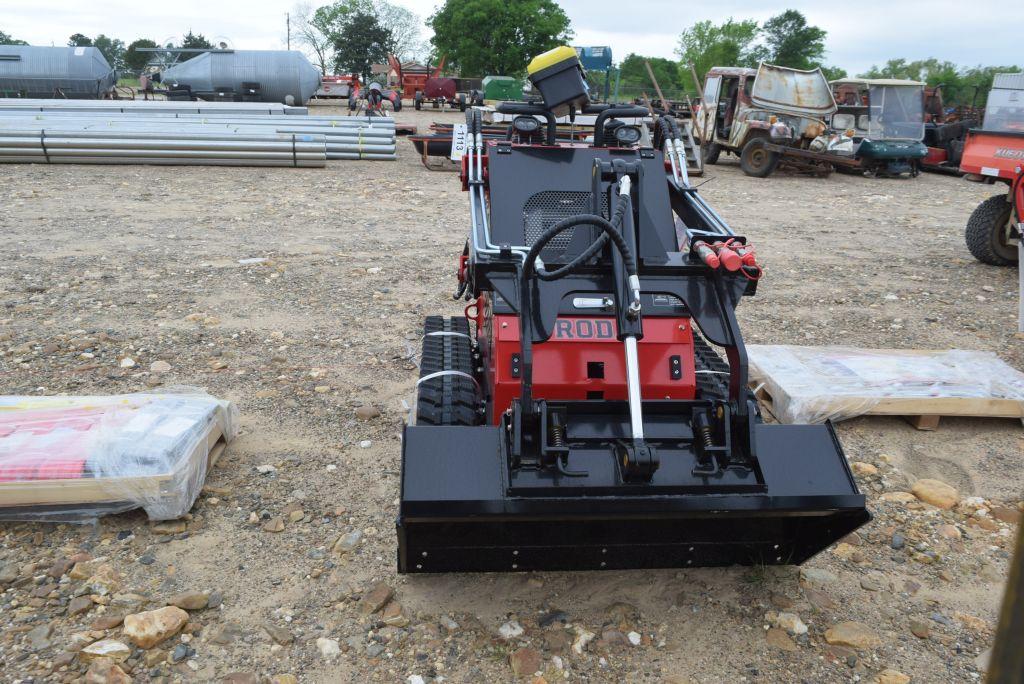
148, 106
164, 148
346, 137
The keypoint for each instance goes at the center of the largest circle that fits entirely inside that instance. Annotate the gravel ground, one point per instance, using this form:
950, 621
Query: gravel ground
105, 263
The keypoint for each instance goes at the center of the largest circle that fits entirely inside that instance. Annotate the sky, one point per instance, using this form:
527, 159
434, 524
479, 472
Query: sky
860, 32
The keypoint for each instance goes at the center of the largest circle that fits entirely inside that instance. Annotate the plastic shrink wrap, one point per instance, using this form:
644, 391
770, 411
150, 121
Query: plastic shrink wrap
815, 384
76, 458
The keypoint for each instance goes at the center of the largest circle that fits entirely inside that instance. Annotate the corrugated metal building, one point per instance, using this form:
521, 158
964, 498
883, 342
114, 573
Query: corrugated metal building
39, 71
275, 75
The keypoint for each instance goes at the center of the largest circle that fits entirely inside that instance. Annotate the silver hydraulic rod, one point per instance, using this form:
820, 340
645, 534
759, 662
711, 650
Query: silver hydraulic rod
636, 416
1020, 278
670, 153
680, 149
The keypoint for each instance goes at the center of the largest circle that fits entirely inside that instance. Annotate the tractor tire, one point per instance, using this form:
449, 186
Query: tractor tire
397, 104
462, 102
986, 231
447, 399
711, 152
756, 161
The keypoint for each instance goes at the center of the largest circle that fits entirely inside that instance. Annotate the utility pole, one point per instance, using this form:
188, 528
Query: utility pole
288, 23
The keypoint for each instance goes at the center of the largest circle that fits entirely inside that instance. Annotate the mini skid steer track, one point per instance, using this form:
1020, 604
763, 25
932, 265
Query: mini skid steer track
579, 416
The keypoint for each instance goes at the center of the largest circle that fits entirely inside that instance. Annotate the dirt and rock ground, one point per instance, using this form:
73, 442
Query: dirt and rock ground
317, 346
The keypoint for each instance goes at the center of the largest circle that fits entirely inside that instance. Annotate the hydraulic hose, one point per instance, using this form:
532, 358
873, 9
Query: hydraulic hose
531, 266
610, 231
621, 207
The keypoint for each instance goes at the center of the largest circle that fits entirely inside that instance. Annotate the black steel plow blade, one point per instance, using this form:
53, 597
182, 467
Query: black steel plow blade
461, 511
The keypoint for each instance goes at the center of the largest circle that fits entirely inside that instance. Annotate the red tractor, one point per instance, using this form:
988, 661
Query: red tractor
994, 153
371, 100
945, 130
431, 88
578, 416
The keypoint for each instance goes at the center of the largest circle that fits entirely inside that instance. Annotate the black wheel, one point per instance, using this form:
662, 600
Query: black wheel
711, 152
756, 161
986, 233
418, 102
397, 102
448, 399
462, 102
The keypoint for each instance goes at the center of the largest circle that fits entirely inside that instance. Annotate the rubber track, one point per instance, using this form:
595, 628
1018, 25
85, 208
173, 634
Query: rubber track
710, 385
449, 399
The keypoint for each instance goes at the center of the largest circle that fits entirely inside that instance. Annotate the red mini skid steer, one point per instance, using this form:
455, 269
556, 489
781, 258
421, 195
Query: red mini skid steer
578, 416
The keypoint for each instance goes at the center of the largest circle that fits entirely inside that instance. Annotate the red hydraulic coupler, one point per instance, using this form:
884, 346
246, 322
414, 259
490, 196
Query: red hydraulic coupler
751, 269
727, 255
706, 254
746, 254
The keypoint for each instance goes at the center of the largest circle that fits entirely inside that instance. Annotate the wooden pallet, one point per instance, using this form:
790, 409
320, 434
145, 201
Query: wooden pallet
923, 413
95, 491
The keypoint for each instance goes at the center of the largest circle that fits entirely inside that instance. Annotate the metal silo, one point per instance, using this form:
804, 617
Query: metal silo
267, 75
38, 71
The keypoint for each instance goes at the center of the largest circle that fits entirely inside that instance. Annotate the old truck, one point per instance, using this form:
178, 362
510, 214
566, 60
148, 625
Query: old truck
763, 115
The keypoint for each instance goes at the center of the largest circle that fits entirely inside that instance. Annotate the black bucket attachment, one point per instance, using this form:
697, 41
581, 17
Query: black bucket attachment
465, 509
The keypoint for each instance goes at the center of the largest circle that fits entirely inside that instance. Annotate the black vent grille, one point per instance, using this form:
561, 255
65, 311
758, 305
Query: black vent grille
545, 209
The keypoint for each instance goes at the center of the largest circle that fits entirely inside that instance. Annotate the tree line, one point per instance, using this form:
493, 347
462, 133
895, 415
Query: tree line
498, 37
475, 37
123, 58
788, 40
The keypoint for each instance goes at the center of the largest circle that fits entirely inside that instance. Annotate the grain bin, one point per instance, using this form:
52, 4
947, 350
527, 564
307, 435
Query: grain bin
39, 71
264, 75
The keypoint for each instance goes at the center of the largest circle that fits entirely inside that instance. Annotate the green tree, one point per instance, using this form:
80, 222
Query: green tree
112, 49
705, 45
310, 35
134, 60
633, 74
7, 39
482, 37
195, 41
79, 40
790, 42
961, 85
362, 42
324, 27
832, 73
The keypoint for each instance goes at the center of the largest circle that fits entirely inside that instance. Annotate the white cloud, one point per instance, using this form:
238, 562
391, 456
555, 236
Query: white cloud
860, 32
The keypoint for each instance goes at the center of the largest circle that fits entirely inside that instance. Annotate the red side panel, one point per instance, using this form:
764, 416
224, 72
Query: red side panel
585, 360
996, 155
439, 87
411, 83
936, 156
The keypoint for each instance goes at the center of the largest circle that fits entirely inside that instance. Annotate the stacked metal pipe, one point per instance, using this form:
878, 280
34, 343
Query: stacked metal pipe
136, 147
147, 106
345, 137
